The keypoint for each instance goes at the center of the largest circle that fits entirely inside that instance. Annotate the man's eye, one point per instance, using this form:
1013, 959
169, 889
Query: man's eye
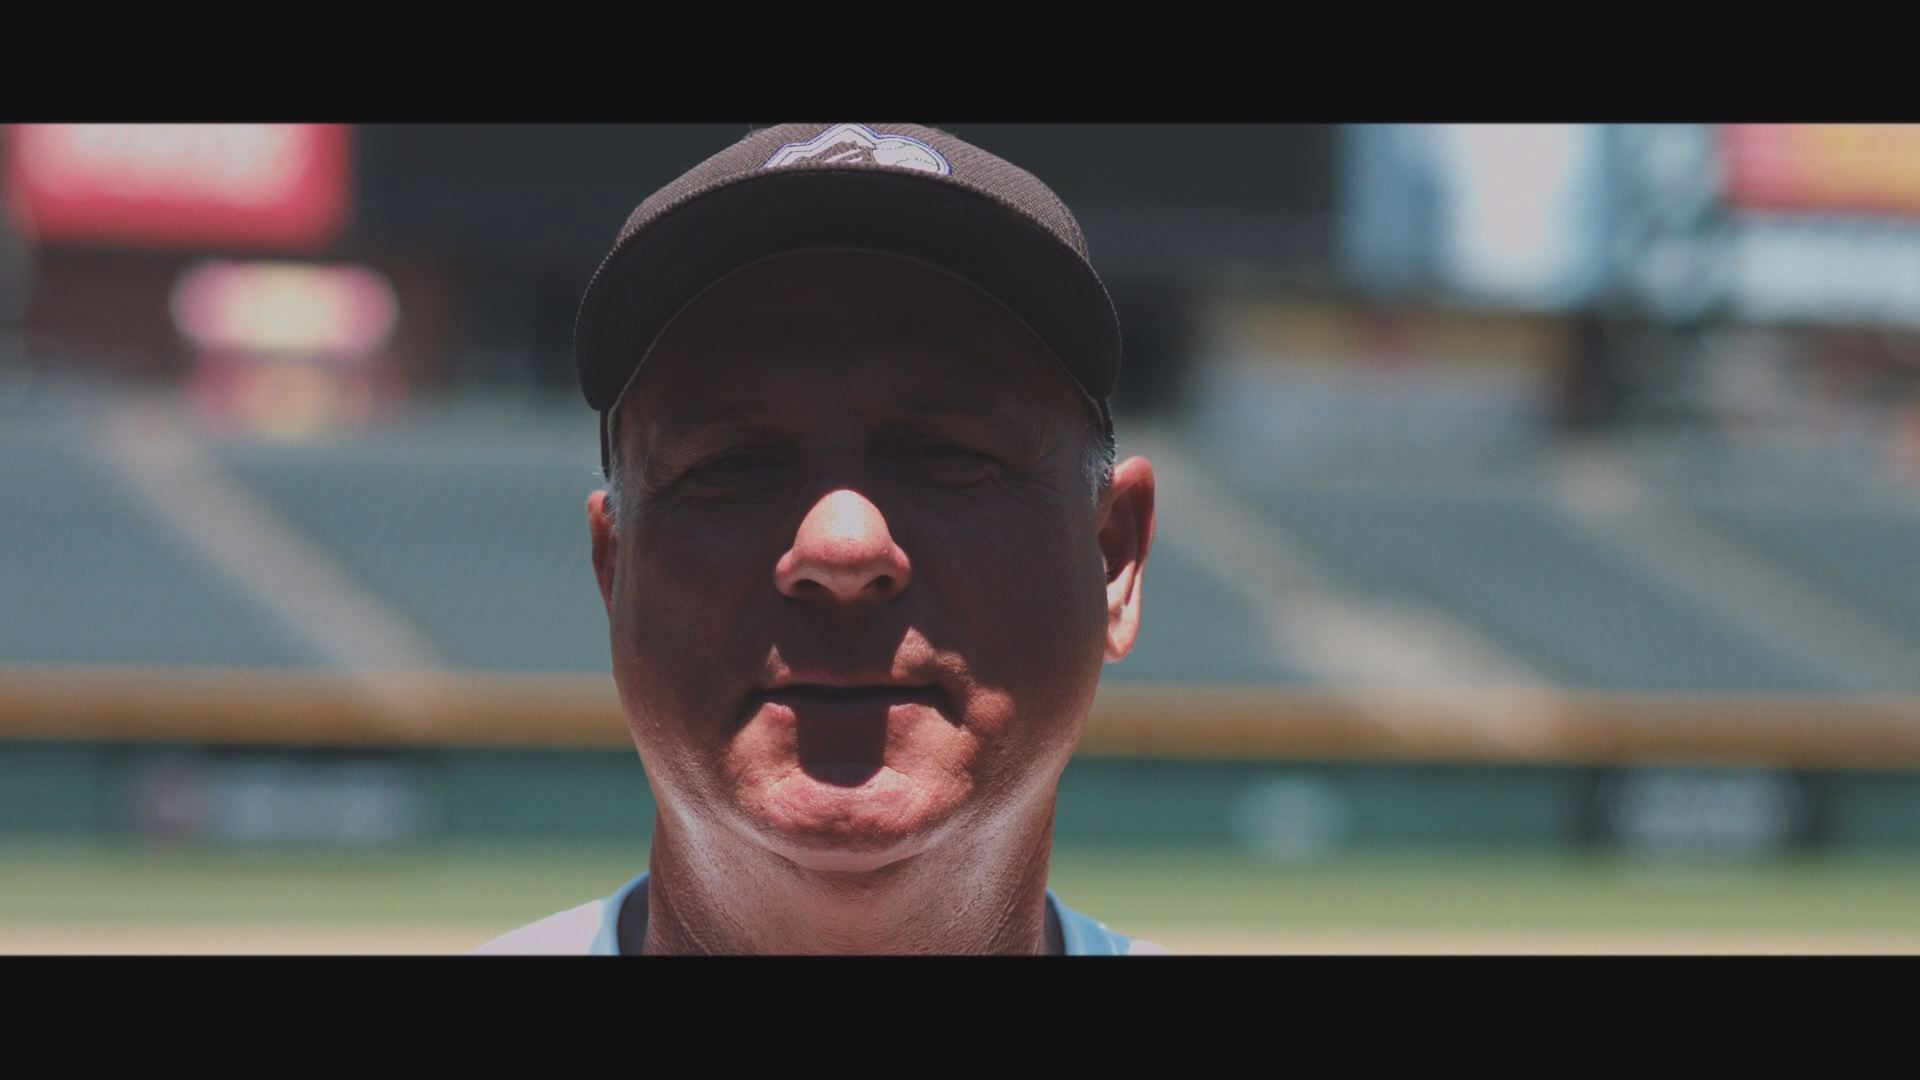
734, 464
945, 462
933, 451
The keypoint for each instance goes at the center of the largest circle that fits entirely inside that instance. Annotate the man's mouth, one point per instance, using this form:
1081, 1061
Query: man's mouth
842, 732
804, 694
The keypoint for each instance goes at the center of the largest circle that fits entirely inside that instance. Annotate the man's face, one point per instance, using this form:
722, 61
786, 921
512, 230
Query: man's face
857, 593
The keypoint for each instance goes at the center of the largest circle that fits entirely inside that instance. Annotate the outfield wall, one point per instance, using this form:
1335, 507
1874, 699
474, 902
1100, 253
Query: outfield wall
301, 758
376, 797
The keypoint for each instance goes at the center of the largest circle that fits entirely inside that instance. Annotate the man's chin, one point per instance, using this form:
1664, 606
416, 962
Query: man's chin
848, 817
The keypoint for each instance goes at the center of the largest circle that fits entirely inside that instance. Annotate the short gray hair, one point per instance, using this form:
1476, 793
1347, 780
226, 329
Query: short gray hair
1101, 452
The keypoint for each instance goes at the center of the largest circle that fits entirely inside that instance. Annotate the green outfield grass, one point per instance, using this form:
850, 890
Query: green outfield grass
478, 887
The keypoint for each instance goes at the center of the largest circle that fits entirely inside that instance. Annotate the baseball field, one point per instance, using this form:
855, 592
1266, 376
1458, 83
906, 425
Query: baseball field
446, 900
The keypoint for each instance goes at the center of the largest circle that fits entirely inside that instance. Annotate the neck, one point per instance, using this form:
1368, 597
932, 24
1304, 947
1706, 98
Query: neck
987, 898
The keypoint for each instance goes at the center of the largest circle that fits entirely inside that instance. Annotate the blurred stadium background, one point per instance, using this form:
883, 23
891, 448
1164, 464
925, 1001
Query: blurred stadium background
1538, 568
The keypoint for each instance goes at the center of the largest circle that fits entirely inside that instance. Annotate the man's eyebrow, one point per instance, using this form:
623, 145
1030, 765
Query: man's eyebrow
1010, 420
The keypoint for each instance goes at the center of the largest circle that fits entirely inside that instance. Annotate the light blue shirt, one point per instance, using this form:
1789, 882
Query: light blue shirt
594, 929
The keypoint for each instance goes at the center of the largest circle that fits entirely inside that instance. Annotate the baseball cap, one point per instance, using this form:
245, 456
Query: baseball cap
900, 189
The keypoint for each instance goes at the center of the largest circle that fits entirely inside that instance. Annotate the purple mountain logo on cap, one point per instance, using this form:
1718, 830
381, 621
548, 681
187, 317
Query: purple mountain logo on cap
849, 143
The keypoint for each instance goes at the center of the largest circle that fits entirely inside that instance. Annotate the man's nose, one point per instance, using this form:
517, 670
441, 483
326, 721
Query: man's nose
843, 552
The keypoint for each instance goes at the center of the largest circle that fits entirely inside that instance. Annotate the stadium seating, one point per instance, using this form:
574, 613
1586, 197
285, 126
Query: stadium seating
466, 522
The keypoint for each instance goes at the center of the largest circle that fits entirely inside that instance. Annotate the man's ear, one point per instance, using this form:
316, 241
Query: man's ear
1126, 535
605, 545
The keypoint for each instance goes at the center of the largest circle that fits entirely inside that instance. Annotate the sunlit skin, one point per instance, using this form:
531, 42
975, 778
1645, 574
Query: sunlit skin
859, 599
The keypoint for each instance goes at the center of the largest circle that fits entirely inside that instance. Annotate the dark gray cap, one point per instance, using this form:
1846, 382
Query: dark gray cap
901, 189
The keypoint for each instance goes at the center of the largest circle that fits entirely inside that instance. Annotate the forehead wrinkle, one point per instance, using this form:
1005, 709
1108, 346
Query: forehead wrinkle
681, 423
1002, 410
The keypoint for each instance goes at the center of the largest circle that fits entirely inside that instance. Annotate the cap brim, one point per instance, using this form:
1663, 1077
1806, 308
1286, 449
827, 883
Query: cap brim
668, 262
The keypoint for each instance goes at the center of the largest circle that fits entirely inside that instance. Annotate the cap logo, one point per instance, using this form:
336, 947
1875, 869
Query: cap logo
857, 143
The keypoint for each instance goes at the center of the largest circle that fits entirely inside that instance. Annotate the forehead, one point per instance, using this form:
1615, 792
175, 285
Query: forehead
875, 326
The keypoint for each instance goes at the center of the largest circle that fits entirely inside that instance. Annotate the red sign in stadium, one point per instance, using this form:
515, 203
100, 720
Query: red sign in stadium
255, 186
1872, 168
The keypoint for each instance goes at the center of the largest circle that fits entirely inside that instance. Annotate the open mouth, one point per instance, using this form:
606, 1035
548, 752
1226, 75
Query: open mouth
842, 732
